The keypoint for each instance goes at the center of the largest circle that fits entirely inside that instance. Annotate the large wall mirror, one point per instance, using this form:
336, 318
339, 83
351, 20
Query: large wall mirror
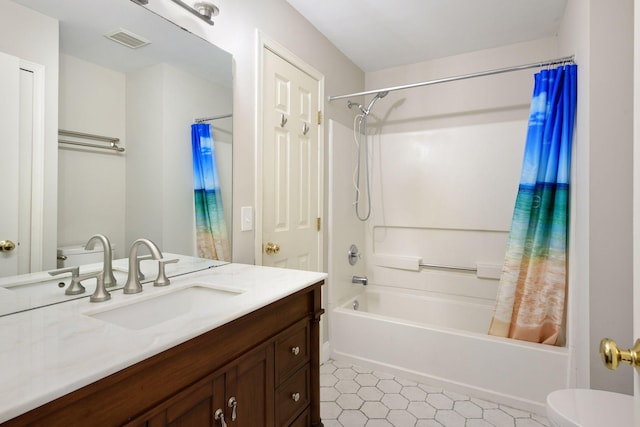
147, 97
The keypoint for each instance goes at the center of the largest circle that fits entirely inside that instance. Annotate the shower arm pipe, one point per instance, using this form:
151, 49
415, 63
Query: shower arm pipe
548, 63
209, 119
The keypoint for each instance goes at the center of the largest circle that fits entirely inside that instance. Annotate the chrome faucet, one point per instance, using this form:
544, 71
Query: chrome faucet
108, 278
133, 285
360, 279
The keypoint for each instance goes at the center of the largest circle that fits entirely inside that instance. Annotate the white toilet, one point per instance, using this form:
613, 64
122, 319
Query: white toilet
589, 408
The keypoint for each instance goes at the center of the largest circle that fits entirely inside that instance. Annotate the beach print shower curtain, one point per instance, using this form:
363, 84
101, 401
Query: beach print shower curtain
211, 229
531, 295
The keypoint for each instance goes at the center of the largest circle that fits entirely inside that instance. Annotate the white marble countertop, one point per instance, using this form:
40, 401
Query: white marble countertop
48, 352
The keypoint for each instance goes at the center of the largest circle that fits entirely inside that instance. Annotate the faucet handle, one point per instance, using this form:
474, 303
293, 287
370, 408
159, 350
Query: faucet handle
162, 279
75, 271
75, 287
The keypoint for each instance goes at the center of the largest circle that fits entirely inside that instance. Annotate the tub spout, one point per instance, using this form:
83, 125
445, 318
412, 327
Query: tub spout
360, 279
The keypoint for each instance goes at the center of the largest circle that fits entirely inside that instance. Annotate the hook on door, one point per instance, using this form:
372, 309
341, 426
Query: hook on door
305, 128
283, 121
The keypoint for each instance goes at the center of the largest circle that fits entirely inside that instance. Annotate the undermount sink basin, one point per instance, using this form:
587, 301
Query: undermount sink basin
157, 309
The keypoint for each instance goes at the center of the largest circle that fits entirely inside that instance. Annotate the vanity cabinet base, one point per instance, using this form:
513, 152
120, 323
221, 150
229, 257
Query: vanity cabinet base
267, 361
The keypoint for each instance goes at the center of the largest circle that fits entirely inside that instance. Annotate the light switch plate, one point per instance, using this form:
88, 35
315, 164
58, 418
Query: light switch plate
246, 218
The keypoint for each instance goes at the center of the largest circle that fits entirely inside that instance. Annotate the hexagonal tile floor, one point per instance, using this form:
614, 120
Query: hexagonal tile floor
355, 397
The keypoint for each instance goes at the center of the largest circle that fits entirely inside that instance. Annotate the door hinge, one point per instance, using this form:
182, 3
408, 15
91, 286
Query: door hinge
319, 117
318, 222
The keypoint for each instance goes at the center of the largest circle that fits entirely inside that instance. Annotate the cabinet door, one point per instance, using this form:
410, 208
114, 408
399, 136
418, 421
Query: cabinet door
253, 388
193, 407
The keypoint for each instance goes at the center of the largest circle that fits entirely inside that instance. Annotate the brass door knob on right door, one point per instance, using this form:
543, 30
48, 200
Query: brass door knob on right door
612, 356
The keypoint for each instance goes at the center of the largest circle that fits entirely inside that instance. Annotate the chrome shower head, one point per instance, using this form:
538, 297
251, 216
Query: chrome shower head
374, 100
366, 111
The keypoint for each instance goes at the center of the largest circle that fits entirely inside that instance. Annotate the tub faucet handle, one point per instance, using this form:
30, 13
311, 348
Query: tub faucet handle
353, 255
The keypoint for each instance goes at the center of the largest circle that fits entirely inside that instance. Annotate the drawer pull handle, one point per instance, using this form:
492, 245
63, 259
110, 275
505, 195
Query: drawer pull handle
219, 416
295, 397
295, 350
233, 403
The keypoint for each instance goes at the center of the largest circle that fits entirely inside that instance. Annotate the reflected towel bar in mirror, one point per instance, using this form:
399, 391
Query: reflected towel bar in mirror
113, 142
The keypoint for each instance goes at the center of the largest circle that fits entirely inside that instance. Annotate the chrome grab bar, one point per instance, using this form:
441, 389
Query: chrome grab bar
448, 267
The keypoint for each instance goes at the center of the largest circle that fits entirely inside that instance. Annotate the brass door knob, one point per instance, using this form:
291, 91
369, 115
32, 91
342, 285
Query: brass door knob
612, 355
7, 246
272, 248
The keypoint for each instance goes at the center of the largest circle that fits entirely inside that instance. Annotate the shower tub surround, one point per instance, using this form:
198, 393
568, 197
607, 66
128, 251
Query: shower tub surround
443, 342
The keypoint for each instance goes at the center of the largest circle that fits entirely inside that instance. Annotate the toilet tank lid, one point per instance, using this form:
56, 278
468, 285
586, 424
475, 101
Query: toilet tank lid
79, 249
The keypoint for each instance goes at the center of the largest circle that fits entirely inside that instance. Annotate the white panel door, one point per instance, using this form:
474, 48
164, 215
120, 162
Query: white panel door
9, 159
290, 235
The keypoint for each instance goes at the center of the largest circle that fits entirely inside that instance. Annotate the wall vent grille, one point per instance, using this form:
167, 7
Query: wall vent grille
127, 38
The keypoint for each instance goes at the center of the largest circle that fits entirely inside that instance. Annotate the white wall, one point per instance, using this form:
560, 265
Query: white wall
91, 183
34, 37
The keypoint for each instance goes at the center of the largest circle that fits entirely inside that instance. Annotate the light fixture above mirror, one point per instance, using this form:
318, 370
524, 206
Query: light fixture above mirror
202, 9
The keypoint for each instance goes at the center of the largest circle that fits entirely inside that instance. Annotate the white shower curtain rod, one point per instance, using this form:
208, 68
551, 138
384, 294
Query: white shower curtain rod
565, 60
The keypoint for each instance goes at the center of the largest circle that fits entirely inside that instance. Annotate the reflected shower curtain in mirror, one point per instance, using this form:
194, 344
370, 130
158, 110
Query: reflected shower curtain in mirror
531, 295
211, 229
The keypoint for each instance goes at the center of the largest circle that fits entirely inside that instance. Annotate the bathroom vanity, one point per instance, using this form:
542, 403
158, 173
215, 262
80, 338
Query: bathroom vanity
245, 353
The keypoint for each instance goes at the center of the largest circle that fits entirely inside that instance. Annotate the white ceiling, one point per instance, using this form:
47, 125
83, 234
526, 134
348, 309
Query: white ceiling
378, 34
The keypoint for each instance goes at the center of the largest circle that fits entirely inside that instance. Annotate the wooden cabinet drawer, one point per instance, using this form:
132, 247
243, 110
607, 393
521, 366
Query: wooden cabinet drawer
292, 396
292, 350
303, 420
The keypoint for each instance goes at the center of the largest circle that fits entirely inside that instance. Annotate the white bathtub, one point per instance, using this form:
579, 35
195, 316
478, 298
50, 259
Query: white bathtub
443, 342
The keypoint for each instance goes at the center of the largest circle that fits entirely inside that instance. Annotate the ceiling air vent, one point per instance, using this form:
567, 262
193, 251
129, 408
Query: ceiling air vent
127, 38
